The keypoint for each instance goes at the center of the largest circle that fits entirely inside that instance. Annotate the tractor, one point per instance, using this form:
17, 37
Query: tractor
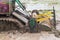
14, 19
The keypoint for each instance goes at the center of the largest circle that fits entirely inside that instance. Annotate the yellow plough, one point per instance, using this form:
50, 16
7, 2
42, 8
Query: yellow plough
44, 16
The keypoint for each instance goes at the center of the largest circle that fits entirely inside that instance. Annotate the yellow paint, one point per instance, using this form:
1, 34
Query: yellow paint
44, 16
